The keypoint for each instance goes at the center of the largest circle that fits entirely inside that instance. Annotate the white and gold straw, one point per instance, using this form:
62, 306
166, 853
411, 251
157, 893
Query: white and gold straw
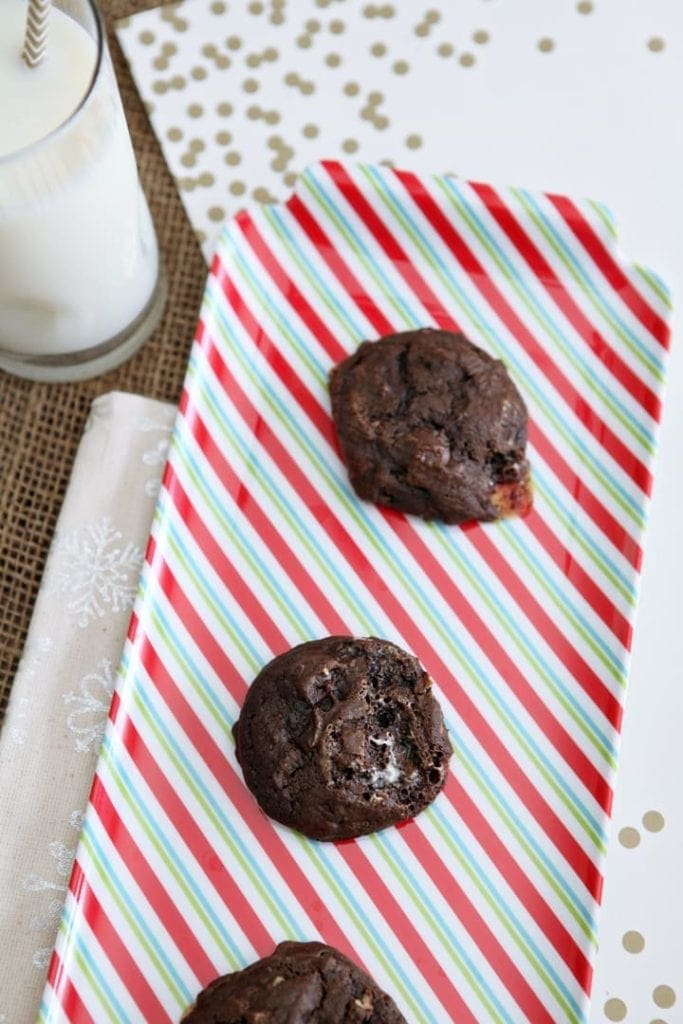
35, 41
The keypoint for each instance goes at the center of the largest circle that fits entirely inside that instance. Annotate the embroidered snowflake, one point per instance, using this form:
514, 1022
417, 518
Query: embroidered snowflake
88, 719
97, 571
31, 662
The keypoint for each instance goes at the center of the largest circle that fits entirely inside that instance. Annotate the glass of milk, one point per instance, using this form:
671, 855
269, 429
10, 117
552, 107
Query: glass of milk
80, 281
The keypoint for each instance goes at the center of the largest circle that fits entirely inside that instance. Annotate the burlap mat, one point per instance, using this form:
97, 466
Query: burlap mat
41, 424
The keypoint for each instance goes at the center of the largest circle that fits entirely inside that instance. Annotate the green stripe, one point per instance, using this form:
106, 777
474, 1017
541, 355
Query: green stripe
654, 284
143, 822
504, 919
131, 922
82, 965
605, 216
594, 382
590, 464
396, 568
598, 305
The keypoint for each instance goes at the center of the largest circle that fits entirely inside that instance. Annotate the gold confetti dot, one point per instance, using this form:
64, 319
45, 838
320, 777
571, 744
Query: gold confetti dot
216, 213
178, 82
218, 7
209, 50
159, 86
422, 30
146, 37
233, 42
445, 50
375, 98
656, 44
615, 1009
307, 88
466, 59
291, 78
237, 188
186, 183
289, 179
224, 109
400, 67
200, 235
381, 122
333, 60
413, 141
312, 25
253, 60
195, 110
629, 837
270, 54
188, 159
664, 997
304, 42
584, 7
160, 63
277, 19
653, 821
336, 26
310, 131
255, 8
180, 25
232, 158
351, 88
633, 942
349, 145
262, 195
169, 49
206, 179
250, 85
546, 44
174, 134
378, 49
271, 117
198, 73
197, 145
481, 37
431, 17
223, 138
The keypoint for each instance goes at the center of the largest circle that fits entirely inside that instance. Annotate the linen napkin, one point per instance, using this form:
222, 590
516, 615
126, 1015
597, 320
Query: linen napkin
61, 694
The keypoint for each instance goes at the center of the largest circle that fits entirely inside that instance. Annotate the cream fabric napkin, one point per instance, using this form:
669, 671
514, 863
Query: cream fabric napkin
61, 694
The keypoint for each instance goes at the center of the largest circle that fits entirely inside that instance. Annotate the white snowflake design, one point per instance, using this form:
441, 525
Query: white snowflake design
100, 411
88, 719
97, 571
48, 918
155, 457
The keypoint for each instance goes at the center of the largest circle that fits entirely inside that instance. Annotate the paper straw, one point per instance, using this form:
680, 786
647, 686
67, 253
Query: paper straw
35, 41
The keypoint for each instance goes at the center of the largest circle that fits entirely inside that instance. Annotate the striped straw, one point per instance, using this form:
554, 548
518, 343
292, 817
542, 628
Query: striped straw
35, 41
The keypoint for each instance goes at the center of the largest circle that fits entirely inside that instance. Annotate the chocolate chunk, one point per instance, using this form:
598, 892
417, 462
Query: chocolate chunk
341, 737
430, 424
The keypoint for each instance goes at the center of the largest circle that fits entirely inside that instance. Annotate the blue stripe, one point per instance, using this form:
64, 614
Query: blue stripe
599, 296
114, 1004
135, 913
591, 374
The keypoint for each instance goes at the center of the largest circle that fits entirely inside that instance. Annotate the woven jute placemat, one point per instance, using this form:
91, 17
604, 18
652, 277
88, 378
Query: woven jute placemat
41, 424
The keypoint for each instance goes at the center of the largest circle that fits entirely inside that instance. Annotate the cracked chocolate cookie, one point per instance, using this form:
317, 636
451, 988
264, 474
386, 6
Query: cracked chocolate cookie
430, 424
300, 983
341, 737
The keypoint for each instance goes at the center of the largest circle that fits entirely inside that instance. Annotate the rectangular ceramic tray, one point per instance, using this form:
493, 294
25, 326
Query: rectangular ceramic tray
484, 908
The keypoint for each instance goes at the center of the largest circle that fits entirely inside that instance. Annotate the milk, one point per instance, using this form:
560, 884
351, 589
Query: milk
78, 254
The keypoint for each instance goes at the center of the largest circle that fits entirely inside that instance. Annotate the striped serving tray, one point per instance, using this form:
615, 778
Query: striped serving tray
483, 908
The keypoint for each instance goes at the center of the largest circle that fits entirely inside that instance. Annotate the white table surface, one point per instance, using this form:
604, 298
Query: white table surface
599, 113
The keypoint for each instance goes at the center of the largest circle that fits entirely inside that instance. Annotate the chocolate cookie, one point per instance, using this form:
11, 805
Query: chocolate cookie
341, 737
300, 983
430, 424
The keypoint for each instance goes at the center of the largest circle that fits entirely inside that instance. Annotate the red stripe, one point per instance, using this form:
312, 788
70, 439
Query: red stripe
456, 897
576, 402
586, 677
545, 920
566, 474
562, 298
118, 956
66, 993
573, 571
156, 895
415, 639
611, 270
